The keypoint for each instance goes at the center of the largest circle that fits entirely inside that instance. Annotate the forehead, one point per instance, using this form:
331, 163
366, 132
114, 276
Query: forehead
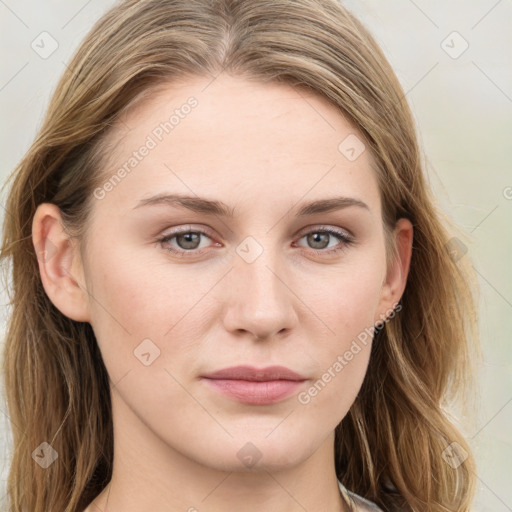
234, 138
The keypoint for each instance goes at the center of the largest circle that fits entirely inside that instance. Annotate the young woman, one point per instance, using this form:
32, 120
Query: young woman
232, 288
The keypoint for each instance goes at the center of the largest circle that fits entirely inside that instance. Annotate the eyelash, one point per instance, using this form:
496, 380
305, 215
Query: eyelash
343, 237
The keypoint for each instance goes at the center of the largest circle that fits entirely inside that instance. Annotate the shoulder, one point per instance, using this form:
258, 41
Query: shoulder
364, 505
359, 503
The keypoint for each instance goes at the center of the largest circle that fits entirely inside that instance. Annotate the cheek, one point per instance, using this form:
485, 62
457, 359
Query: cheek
341, 359
342, 356
333, 392
136, 299
348, 299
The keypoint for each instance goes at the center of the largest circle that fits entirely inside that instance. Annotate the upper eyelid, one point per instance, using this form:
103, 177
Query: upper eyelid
303, 232
189, 228
323, 227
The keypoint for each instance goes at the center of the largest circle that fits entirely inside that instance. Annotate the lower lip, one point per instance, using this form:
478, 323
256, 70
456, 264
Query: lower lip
256, 393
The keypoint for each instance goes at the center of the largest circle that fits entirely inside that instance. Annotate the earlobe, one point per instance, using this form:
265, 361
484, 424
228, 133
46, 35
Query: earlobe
60, 265
396, 278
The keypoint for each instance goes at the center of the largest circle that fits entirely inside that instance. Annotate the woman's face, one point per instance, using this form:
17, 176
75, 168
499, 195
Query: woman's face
257, 281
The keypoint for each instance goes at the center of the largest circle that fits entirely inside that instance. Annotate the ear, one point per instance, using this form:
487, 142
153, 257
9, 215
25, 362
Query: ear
60, 264
396, 277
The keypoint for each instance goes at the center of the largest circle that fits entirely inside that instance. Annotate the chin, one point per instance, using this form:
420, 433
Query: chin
253, 453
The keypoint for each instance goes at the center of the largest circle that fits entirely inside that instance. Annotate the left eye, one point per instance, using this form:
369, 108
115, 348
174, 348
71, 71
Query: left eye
188, 241
321, 237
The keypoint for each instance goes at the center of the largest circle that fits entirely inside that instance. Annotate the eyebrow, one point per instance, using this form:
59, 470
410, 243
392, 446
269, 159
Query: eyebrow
218, 208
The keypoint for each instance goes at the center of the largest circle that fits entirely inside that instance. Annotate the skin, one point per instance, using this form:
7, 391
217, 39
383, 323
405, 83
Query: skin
264, 149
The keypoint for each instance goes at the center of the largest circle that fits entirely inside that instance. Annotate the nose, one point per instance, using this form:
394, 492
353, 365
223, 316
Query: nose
258, 300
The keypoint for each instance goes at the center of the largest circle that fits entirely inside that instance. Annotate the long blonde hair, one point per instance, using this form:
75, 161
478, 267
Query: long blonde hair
391, 446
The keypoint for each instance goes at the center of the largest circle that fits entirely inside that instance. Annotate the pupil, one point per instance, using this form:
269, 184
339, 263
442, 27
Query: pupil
317, 237
189, 239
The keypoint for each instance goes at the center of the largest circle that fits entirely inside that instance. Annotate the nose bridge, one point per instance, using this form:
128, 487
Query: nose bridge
261, 302
256, 266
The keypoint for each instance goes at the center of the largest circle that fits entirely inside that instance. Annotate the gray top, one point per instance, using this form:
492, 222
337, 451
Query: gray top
356, 502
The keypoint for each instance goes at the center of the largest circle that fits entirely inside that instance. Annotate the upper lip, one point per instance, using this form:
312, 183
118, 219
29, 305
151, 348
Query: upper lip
255, 374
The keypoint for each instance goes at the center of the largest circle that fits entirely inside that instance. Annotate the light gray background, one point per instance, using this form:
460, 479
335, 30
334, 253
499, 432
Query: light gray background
462, 105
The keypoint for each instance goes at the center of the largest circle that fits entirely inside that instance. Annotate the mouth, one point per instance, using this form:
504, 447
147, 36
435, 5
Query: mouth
254, 386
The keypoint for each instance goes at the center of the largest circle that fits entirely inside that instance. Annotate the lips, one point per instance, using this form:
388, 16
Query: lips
254, 374
255, 386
